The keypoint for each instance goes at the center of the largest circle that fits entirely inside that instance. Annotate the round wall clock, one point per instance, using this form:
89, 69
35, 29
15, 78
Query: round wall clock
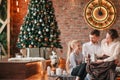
100, 14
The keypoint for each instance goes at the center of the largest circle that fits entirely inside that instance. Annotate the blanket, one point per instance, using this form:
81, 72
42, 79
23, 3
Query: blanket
102, 71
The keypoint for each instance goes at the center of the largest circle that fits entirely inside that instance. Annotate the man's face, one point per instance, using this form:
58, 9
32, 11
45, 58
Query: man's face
93, 38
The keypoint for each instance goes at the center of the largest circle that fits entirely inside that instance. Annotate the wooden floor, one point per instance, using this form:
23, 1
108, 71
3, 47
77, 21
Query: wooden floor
43, 76
40, 76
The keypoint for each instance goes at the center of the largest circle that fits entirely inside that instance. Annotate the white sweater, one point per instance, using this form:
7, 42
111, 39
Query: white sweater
112, 50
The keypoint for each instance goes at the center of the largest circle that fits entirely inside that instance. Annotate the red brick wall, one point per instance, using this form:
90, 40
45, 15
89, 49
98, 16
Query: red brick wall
70, 18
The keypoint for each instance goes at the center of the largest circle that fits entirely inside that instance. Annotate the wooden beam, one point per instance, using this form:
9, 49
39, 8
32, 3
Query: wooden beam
3, 49
1, 21
3, 26
8, 27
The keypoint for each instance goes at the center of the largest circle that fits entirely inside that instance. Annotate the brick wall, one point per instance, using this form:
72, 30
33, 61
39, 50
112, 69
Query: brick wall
16, 20
70, 18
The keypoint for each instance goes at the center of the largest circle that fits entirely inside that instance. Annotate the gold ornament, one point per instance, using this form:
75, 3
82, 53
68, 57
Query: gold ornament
46, 39
18, 40
36, 38
38, 24
22, 44
30, 46
39, 40
52, 46
35, 46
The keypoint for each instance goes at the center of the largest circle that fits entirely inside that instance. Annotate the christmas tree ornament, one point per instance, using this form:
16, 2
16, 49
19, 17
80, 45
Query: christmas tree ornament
36, 1
35, 46
31, 37
36, 38
33, 29
18, 40
44, 13
38, 24
39, 40
41, 11
37, 6
51, 35
35, 21
51, 13
22, 44
34, 14
29, 33
50, 40
21, 40
32, 43
46, 39
39, 32
24, 32
32, 18
21, 28
43, 30
28, 29
24, 36
40, 20
47, 30
43, 24
52, 46
20, 33
30, 46
43, 1
41, 36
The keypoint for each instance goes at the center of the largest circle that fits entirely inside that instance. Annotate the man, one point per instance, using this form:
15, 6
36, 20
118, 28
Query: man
92, 47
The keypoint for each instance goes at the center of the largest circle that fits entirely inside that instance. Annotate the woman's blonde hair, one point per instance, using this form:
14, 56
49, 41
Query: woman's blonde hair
70, 49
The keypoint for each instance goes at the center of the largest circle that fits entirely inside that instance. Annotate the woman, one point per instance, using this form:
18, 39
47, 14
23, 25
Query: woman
104, 67
75, 59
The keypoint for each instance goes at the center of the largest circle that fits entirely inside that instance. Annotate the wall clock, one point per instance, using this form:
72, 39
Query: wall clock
100, 14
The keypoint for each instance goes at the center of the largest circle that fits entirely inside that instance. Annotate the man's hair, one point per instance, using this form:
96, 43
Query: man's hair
95, 32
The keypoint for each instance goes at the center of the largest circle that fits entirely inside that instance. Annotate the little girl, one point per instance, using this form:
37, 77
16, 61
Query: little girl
74, 58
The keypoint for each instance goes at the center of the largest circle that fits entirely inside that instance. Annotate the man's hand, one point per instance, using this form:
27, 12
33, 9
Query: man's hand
99, 61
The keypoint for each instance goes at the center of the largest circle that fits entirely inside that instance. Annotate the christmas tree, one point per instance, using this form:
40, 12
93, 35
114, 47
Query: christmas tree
40, 27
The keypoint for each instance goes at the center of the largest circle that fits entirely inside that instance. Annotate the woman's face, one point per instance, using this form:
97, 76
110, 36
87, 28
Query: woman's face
108, 38
77, 47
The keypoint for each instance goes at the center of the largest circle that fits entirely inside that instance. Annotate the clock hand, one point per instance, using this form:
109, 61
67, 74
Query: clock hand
100, 12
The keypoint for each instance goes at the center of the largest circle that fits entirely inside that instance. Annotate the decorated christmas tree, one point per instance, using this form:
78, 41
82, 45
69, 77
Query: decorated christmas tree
40, 26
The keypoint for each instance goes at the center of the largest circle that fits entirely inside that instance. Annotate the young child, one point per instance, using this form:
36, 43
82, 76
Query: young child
74, 57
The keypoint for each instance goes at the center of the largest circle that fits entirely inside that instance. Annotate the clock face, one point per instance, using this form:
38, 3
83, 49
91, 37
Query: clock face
100, 14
